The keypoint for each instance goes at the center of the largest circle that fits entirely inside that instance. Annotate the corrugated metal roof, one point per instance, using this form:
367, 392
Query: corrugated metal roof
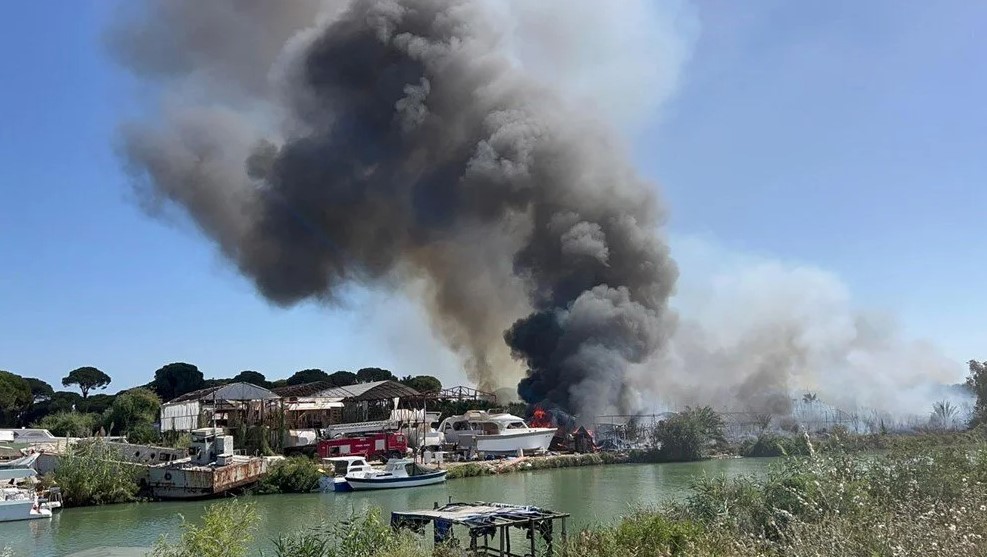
376, 390
232, 391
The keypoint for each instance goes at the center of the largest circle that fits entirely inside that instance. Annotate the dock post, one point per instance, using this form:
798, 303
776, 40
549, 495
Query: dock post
502, 528
531, 528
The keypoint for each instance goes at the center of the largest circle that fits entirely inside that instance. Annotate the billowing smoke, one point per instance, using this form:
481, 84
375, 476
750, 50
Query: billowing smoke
757, 334
392, 142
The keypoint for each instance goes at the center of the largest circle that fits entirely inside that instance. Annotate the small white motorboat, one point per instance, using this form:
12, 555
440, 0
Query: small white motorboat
18, 502
340, 467
399, 472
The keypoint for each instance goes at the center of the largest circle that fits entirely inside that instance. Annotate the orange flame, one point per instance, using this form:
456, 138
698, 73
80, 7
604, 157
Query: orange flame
541, 418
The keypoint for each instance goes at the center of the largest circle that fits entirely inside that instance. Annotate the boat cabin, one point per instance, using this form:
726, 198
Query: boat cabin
480, 423
343, 465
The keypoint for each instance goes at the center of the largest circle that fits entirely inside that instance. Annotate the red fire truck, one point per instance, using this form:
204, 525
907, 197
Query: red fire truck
371, 446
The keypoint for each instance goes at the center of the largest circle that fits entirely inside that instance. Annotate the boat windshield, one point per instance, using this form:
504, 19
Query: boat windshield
487, 428
413, 469
517, 425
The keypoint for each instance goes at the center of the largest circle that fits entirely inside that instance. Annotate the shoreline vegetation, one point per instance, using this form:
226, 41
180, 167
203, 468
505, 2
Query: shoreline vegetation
910, 500
90, 475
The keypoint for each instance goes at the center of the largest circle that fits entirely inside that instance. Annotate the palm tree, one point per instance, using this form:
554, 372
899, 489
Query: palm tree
943, 413
809, 398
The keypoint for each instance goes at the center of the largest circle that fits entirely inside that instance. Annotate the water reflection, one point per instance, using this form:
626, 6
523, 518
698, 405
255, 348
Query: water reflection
592, 495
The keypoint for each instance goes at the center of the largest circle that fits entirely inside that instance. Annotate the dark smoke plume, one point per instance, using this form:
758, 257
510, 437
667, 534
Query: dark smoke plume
394, 142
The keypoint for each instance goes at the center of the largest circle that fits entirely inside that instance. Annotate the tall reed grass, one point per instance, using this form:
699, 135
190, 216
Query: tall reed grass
91, 473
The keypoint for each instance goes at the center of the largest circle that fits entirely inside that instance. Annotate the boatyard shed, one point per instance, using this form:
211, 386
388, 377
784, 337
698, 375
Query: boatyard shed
322, 403
226, 405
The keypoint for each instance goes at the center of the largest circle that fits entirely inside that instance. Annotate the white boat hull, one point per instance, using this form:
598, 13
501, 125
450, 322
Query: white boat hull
360, 484
21, 510
532, 440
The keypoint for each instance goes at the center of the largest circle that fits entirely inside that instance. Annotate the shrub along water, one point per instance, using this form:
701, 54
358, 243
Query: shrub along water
296, 474
907, 502
90, 473
226, 531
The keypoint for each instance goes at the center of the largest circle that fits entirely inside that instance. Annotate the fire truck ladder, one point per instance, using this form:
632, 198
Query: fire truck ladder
340, 430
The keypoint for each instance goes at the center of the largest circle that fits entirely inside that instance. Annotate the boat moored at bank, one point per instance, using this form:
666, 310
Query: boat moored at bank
397, 473
19, 501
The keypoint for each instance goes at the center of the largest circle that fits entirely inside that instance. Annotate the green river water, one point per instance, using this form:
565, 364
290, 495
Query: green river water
592, 495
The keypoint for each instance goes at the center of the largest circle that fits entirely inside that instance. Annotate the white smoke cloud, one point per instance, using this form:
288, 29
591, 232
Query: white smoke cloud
755, 331
623, 60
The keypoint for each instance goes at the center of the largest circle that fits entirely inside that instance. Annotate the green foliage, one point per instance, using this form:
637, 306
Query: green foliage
642, 533
423, 383
15, 397
307, 376
70, 424
96, 404
176, 439
176, 379
133, 411
469, 470
252, 377
343, 378
90, 473
366, 536
977, 383
296, 474
39, 389
226, 531
688, 435
371, 374
86, 378
770, 444
60, 401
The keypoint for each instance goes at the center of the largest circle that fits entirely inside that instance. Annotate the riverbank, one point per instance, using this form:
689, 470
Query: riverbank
526, 463
904, 503
593, 494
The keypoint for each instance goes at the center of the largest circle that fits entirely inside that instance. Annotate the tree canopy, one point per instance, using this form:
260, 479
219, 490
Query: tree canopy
343, 378
40, 390
15, 397
86, 378
422, 383
133, 408
977, 382
176, 379
307, 376
371, 374
252, 377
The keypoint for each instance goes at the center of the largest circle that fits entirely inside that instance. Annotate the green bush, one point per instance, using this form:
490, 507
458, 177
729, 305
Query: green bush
770, 444
642, 533
70, 424
226, 531
91, 474
366, 536
133, 414
686, 436
296, 474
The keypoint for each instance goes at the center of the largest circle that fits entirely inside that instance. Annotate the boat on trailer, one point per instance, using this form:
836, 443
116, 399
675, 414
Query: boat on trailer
399, 472
495, 433
18, 502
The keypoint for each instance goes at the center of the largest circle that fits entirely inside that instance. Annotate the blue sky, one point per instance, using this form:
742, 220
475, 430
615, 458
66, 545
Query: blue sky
849, 136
